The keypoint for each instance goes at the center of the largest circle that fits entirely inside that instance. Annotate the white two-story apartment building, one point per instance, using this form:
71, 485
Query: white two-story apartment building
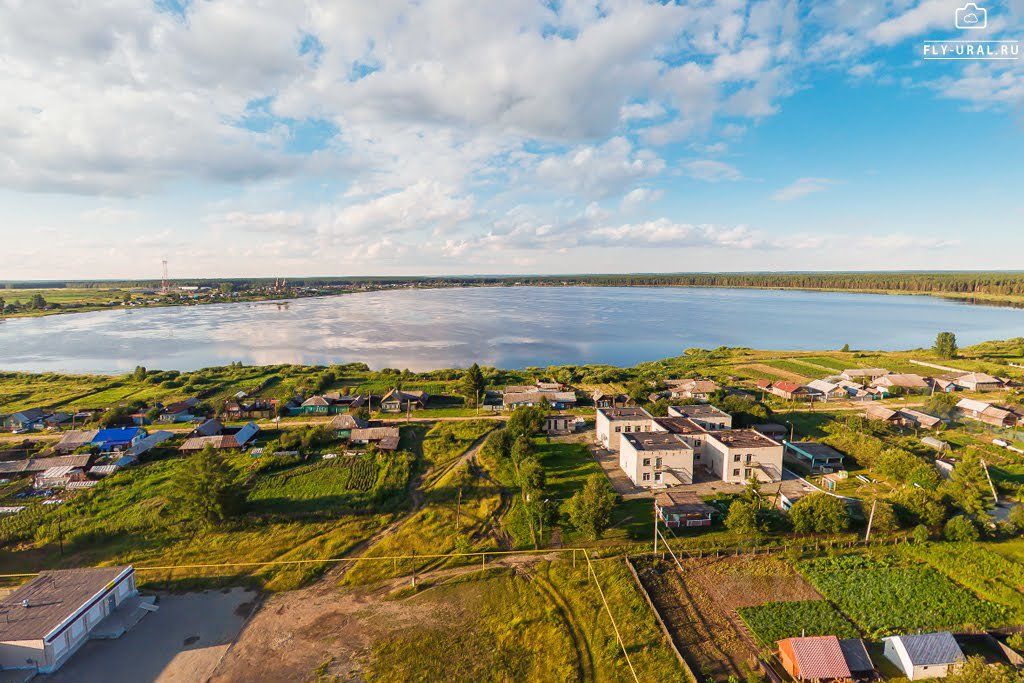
656, 459
736, 455
612, 423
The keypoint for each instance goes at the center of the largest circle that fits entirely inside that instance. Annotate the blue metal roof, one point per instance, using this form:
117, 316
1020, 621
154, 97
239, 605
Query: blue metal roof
116, 435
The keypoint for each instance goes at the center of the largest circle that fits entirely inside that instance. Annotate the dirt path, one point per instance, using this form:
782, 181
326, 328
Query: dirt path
584, 657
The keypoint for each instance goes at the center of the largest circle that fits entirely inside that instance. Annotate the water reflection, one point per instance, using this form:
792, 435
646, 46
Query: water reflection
506, 327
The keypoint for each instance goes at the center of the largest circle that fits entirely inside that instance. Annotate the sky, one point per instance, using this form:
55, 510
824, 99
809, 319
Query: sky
248, 138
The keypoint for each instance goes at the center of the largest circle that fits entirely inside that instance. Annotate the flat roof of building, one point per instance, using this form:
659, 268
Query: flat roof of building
680, 425
52, 597
627, 413
700, 410
656, 441
743, 438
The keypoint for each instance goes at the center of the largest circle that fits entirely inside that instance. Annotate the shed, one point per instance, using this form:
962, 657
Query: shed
816, 456
826, 658
927, 655
678, 509
937, 444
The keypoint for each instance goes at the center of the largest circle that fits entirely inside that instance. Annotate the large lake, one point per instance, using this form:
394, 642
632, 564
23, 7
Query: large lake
508, 327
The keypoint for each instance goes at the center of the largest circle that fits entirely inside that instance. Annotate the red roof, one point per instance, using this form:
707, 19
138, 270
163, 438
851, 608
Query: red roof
763, 383
787, 386
818, 657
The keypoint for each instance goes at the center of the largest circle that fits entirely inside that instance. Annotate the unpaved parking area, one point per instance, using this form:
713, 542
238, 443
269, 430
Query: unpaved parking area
181, 643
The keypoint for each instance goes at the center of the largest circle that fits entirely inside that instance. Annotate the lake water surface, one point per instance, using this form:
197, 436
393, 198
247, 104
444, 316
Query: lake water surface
508, 327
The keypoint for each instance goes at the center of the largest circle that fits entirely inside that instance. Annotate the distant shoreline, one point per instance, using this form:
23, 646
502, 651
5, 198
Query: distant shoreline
306, 291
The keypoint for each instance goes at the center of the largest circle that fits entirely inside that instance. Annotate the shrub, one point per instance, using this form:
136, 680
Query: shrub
960, 528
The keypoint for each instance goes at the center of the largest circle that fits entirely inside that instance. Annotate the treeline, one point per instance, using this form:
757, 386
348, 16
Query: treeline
960, 283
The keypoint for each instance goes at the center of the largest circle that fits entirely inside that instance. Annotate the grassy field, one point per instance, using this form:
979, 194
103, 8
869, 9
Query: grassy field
310, 510
777, 620
478, 634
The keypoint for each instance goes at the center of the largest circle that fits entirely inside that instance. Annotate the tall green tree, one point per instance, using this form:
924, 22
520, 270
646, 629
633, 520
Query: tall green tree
968, 485
590, 509
207, 490
471, 384
945, 345
742, 518
526, 421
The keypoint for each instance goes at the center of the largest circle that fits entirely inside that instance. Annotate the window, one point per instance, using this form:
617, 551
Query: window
696, 456
647, 476
749, 456
647, 462
746, 473
628, 429
735, 473
657, 476
657, 462
618, 429
736, 457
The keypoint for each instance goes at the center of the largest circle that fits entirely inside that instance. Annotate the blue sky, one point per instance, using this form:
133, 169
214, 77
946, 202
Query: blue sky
240, 138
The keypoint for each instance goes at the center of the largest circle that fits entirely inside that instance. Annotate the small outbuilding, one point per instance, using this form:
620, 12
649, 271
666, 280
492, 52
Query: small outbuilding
817, 457
681, 510
825, 658
927, 655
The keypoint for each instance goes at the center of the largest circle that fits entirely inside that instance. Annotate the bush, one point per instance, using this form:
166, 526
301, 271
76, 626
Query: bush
960, 528
819, 513
921, 534
742, 518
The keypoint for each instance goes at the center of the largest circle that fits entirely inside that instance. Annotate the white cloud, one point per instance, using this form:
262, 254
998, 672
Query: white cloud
926, 15
712, 171
801, 188
638, 197
598, 171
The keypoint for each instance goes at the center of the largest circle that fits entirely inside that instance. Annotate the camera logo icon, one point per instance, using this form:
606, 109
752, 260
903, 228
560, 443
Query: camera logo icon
970, 16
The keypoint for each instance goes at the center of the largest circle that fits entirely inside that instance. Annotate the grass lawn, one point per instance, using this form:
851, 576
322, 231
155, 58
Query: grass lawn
311, 510
480, 635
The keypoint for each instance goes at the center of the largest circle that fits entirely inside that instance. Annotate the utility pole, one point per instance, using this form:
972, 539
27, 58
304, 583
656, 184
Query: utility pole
871, 519
458, 511
655, 527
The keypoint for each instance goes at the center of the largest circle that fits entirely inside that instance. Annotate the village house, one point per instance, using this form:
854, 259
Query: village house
656, 458
118, 438
697, 389
706, 415
863, 374
607, 400
882, 414
45, 621
383, 438
927, 655
35, 465
75, 439
26, 419
226, 438
330, 403
251, 409
58, 477
346, 422
399, 401
945, 384
559, 423
179, 411
901, 383
556, 395
825, 658
988, 413
791, 391
918, 420
979, 381
681, 510
828, 390
611, 423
